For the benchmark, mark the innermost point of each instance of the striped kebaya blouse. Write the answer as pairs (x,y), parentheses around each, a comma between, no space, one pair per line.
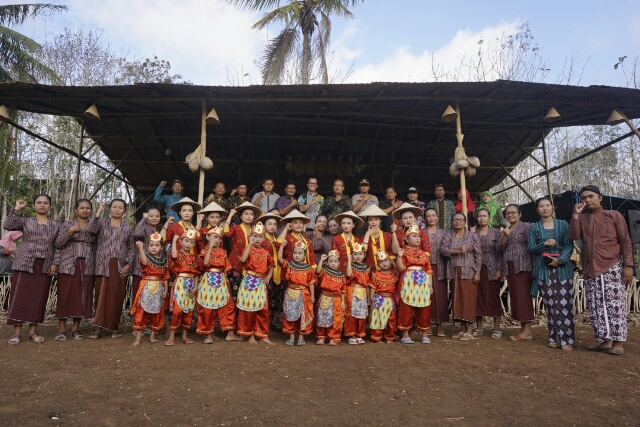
(113,242)
(82,244)
(37,241)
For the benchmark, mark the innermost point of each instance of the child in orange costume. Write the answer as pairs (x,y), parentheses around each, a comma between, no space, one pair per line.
(253,318)
(209,217)
(147,307)
(356,298)
(299,296)
(383,318)
(214,297)
(184,264)
(331,302)
(415,286)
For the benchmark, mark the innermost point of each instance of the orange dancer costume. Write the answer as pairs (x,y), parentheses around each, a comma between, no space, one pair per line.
(214,296)
(415,287)
(330,318)
(383,319)
(355,301)
(344,246)
(147,308)
(298,309)
(253,317)
(376,244)
(185,267)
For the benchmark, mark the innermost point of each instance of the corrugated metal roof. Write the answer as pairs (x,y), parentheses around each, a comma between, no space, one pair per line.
(384,131)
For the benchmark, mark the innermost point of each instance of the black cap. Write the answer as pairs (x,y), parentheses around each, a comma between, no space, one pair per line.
(178,181)
(591,188)
(412,190)
(363,181)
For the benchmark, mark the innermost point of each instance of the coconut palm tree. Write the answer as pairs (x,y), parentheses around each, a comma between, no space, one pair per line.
(306,21)
(17,61)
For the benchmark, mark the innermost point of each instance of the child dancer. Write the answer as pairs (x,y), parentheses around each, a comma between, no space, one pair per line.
(375,239)
(331,302)
(239,237)
(214,296)
(253,318)
(415,286)
(383,318)
(275,291)
(295,222)
(299,297)
(343,243)
(184,264)
(356,298)
(147,308)
(212,216)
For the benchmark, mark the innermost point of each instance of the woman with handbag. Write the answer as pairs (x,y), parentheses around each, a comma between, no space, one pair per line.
(551,249)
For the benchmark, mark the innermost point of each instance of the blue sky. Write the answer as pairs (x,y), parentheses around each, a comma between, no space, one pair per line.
(386,41)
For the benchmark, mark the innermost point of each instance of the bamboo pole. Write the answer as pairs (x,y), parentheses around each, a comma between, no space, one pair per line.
(74,193)
(203,142)
(546,171)
(463,182)
(628,122)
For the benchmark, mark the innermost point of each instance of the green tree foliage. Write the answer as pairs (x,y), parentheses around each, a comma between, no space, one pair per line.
(303,42)
(17,51)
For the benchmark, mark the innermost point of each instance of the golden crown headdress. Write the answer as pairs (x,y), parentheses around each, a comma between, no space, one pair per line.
(258,228)
(300,244)
(333,252)
(191,233)
(216,230)
(357,247)
(155,237)
(382,255)
(412,229)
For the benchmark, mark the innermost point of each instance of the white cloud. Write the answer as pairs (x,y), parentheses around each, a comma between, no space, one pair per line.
(404,65)
(203,40)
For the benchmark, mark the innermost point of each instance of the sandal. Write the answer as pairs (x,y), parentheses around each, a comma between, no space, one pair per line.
(353,341)
(496,334)
(188,341)
(360,341)
(567,347)
(61,336)
(289,342)
(333,343)
(301,342)
(615,351)
(95,335)
(15,339)
(406,340)
(77,335)
(38,339)
(169,343)
(458,335)
(426,340)
(466,337)
(208,341)
(478,332)
(553,345)
(519,338)
(320,342)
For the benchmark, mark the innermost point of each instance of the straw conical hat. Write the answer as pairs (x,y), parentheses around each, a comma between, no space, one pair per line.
(248,205)
(350,214)
(397,214)
(372,210)
(213,207)
(186,201)
(295,214)
(263,219)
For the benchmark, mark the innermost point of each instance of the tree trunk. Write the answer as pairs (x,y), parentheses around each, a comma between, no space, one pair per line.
(306,56)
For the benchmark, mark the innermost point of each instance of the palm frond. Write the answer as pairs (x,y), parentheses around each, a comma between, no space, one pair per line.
(255,4)
(17,61)
(16,14)
(336,7)
(277,52)
(286,14)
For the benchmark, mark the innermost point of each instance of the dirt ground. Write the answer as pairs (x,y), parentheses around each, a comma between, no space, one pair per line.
(480,382)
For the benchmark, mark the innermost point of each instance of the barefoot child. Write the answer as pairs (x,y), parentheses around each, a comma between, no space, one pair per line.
(331,303)
(415,286)
(147,308)
(184,264)
(356,297)
(214,296)
(253,318)
(383,318)
(299,296)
